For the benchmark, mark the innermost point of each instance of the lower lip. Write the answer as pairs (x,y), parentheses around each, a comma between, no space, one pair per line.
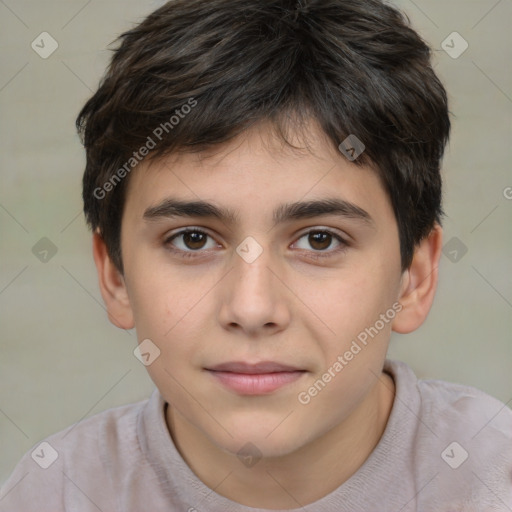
(256,384)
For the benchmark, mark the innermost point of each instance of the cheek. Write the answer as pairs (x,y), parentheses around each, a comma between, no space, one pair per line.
(354,298)
(351,306)
(169,315)
(158,294)
(152,309)
(174,311)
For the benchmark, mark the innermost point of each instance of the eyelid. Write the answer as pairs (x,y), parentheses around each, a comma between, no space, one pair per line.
(189,229)
(341,234)
(343,243)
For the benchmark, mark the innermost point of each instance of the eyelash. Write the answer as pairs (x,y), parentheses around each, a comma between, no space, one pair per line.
(315,254)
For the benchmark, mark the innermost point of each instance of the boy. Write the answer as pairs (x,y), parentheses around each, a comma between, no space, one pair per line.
(263,184)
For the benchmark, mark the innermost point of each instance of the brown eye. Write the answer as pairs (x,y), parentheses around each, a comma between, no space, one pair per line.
(319,240)
(194,239)
(189,241)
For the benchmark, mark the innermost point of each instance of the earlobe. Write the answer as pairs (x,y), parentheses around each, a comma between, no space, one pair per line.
(419,283)
(112,286)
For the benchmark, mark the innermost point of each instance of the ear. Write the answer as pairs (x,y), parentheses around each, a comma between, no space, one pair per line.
(112,286)
(419,283)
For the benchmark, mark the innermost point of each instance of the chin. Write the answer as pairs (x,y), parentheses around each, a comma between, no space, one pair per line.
(255,437)
(261,447)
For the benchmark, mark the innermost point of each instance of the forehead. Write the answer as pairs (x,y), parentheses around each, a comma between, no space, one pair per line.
(255,174)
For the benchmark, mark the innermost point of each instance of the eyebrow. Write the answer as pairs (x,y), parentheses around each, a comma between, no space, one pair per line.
(171,207)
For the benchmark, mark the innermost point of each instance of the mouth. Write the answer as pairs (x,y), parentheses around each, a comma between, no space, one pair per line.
(255,379)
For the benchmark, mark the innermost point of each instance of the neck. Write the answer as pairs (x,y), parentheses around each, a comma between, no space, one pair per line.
(298,478)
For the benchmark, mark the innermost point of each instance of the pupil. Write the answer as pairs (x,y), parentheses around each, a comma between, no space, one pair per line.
(194,238)
(319,237)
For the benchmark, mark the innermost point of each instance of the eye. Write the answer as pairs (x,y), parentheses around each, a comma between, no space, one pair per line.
(321,239)
(191,240)
(188,243)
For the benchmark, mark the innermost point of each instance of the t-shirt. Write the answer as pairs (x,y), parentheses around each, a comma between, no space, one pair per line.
(446,448)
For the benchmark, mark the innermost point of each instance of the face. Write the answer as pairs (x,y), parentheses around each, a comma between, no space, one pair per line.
(258,309)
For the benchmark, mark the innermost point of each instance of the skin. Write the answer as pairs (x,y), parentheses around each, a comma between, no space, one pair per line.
(285,306)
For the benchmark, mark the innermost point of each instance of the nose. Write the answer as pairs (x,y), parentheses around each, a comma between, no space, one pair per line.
(254,299)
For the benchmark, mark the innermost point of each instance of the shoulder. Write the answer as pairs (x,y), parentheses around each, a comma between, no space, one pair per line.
(91,439)
(462,444)
(67,466)
(472,409)
(450,405)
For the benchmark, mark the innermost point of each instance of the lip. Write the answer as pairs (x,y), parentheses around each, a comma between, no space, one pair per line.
(254,368)
(255,379)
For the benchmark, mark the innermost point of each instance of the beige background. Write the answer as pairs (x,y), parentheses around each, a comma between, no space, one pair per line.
(62,361)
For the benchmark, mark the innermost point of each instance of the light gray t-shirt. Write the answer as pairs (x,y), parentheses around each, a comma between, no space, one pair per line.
(446,448)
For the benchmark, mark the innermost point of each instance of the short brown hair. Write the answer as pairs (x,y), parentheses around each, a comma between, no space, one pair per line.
(355,66)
